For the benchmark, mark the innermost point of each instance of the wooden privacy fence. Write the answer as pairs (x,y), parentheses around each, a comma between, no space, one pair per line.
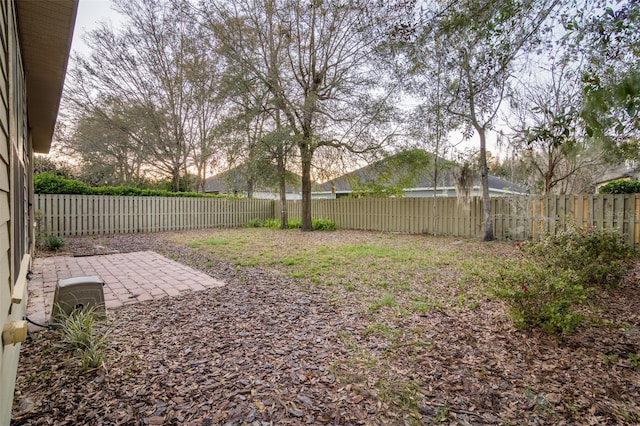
(65,215)
(515,218)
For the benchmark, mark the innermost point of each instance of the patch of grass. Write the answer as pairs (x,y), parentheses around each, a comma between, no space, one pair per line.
(610,358)
(367,265)
(377,270)
(382,330)
(209,242)
(363,356)
(473,305)
(387,300)
(424,306)
(461,301)
(344,336)
(370,251)
(249,262)
(405,395)
(319,263)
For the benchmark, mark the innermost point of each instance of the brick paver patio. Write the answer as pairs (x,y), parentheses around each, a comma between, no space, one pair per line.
(128,277)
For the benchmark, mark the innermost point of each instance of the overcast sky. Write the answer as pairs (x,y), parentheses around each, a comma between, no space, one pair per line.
(90,12)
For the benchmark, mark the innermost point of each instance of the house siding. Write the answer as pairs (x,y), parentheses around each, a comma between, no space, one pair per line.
(15,182)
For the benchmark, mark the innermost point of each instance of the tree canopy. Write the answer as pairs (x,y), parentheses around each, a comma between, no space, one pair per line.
(317,87)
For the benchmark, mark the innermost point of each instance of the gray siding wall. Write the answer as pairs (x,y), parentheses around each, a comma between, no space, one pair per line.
(15,188)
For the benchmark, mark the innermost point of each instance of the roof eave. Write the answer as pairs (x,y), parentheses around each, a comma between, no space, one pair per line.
(46,31)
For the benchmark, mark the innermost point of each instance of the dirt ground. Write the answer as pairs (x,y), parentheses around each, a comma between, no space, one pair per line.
(270,349)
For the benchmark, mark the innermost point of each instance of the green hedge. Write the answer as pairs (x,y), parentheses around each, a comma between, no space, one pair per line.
(620,186)
(48,183)
(317,224)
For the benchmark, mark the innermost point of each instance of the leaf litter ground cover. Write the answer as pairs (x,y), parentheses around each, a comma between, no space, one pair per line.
(335,328)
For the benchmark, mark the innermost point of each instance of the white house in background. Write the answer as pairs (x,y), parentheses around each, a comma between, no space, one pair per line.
(35,38)
(390,172)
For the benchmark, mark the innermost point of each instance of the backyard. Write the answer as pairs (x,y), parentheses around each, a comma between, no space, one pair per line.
(344,327)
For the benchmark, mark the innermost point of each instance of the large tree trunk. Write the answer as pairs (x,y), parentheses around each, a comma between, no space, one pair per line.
(548,184)
(175,179)
(250,188)
(199,179)
(435,175)
(284,214)
(484,176)
(435,194)
(306,154)
(548,176)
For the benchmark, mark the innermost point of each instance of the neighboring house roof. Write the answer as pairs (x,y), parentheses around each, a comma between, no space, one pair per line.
(235,179)
(46,30)
(497,184)
(393,173)
(388,171)
(622,171)
(227,181)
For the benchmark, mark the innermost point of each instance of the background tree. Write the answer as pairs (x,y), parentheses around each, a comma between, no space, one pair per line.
(45,164)
(550,133)
(278,144)
(154,69)
(512,166)
(609,36)
(262,143)
(244,128)
(206,74)
(430,122)
(481,42)
(106,154)
(316,60)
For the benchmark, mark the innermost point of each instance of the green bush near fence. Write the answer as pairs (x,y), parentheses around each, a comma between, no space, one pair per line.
(545,286)
(317,224)
(620,186)
(52,243)
(598,257)
(48,183)
(324,225)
